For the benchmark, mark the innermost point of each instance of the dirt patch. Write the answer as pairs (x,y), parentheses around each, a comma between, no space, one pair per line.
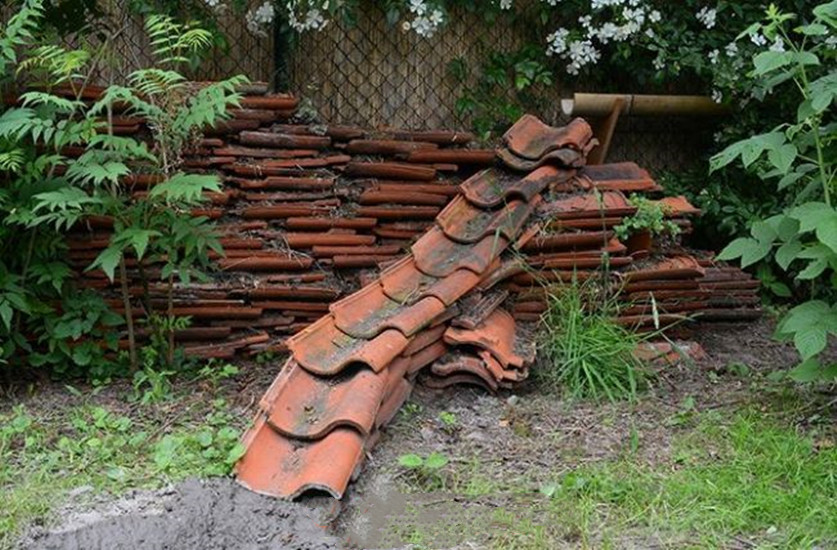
(205,514)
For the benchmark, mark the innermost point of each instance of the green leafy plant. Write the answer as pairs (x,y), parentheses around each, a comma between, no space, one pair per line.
(425,471)
(587,353)
(650,216)
(800,155)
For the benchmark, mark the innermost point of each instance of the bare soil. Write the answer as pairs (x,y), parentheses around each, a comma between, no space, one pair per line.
(526,438)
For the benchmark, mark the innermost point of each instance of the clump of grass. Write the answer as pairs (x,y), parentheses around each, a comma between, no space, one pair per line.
(588,354)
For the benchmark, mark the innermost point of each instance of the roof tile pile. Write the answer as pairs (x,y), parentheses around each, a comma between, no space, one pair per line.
(458,307)
(377,258)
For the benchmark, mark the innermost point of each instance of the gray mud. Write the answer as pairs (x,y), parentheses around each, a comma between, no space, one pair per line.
(196,514)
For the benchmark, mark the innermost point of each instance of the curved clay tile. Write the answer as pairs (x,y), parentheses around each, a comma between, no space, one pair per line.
(305,406)
(567,158)
(465,223)
(321,348)
(281,467)
(459,363)
(493,187)
(369,311)
(389,408)
(439,256)
(495,334)
(461,379)
(404,283)
(531,139)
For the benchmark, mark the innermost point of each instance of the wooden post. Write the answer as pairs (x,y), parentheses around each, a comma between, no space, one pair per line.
(604,132)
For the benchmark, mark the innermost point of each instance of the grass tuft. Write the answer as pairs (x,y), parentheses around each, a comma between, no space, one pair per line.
(588,354)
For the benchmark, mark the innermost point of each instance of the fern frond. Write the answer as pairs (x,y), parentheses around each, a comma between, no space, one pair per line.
(59,104)
(155,82)
(209,105)
(185,188)
(12,161)
(19,31)
(58,63)
(173,41)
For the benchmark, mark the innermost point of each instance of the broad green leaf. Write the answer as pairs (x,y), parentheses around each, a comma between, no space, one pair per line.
(804,316)
(768,61)
(107,260)
(807,371)
(737,248)
(810,342)
(810,215)
(6,314)
(813,270)
(826,231)
(764,231)
(782,157)
(787,253)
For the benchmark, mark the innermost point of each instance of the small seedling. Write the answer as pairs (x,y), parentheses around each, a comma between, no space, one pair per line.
(425,471)
(448,420)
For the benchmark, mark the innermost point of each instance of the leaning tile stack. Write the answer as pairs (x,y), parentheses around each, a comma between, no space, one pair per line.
(459,306)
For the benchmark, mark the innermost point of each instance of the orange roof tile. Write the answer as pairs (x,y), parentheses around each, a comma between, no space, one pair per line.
(495,334)
(531,139)
(460,363)
(280,467)
(404,283)
(465,223)
(305,406)
(492,187)
(323,349)
(439,256)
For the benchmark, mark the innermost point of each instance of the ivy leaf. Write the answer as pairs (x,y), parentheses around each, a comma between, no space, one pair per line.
(826,231)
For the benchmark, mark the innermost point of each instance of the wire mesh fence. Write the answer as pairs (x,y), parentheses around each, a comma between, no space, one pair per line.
(375,74)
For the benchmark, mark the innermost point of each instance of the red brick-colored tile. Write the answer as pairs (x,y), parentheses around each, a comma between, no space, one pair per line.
(323,349)
(495,334)
(286,468)
(439,256)
(304,406)
(531,139)
(465,223)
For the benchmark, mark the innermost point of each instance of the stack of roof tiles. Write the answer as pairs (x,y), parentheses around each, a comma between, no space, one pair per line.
(360,253)
(309,213)
(442,309)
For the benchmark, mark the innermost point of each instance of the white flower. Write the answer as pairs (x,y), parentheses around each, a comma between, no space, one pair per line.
(581,53)
(212,3)
(731,49)
(649,32)
(659,63)
(758,39)
(505,4)
(717,96)
(557,42)
(655,16)
(713,56)
(258,18)
(831,41)
(405,26)
(778,45)
(707,16)
(551,2)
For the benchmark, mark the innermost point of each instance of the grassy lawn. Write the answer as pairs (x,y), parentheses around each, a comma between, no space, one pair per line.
(84,446)
(737,479)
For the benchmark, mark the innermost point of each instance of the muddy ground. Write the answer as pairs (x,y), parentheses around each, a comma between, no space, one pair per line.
(526,438)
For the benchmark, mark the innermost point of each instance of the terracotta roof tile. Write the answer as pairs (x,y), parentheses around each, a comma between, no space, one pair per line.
(268,139)
(483,157)
(607,204)
(426,356)
(369,311)
(456,363)
(461,379)
(305,406)
(620,176)
(678,206)
(425,338)
(465,223)
(478,306)
(678,267)
(323,349)
(565,158)
(404,283)
(390,170)
(280,467)
(531,139)
(386,146)
(562,241)
(439,256)
(435,136)
(495,334)
(498,371)
(397,397)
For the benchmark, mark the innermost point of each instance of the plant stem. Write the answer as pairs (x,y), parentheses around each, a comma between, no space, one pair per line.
(129,317)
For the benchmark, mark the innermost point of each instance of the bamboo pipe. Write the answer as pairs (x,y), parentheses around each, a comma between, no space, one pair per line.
(642,105)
